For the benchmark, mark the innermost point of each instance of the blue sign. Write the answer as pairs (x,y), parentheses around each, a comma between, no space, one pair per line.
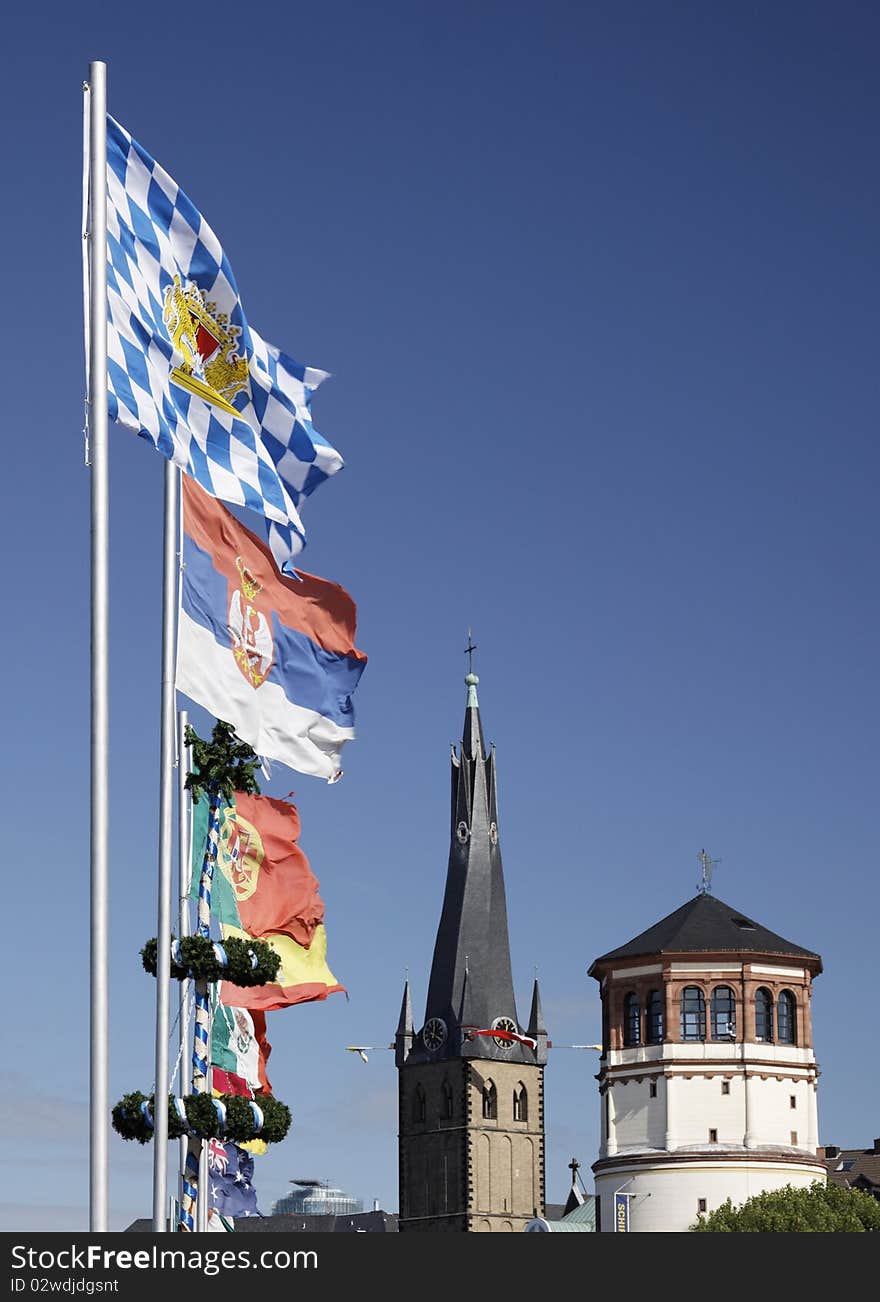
(621,1213)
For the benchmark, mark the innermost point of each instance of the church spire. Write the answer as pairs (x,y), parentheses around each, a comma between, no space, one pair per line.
(404,1037)
(537,1031)
(471,986)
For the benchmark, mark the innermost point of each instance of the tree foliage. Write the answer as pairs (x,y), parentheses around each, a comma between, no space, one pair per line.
(224,764)
(819,1209)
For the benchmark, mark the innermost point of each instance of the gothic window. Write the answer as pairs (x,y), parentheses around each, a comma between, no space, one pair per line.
(419,1104)
(631,1020)
(520,1103)
(447,1101)
(786,1022)
(693,1013)
(723,1013)
(490,1101)
(763,1015)
(654,1017)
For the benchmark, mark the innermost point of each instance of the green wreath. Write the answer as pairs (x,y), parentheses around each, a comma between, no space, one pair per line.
(248,962)
(133,1117)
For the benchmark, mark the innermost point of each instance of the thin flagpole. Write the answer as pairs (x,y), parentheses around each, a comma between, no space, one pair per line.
(171,548)
(99,983)
(184,859)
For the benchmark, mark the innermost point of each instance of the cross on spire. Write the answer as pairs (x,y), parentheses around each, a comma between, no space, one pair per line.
(469,652)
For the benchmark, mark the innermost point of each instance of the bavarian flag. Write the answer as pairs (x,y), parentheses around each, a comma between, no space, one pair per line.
(264,889)
(186,369)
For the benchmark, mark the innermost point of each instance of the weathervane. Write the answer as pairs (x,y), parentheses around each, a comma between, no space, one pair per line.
(706,865)
(469,652)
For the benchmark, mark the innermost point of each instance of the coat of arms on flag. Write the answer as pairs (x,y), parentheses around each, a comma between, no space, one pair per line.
(273,655)
(249,629)
(185,368)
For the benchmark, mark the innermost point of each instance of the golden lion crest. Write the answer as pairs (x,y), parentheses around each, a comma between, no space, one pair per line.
(211,367)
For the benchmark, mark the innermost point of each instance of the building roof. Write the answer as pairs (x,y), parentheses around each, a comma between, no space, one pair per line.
(707,925)
(358,1223)
(582,1220)
(855,1168)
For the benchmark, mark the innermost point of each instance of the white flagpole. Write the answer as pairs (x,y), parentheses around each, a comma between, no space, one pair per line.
(99,1104)
(184,857)
(166,825)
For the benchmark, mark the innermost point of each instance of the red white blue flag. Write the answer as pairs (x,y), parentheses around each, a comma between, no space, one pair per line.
(273,656)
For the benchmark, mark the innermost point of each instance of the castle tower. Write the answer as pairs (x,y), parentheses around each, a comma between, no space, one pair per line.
(707,1078)
(471,1127)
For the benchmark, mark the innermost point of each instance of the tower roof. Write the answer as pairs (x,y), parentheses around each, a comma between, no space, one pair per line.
(707,925)
(471,984)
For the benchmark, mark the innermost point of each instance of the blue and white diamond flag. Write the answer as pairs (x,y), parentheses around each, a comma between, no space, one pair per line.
(186,371)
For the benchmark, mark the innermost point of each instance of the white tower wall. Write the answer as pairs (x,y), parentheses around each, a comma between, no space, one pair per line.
(691,1120)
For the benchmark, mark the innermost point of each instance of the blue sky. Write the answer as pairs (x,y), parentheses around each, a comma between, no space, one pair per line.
(597,285)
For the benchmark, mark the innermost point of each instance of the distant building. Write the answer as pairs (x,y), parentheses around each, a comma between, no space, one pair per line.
(316,1198)
(707,1079)
(577,1216)
(315,1207)
(853,1168)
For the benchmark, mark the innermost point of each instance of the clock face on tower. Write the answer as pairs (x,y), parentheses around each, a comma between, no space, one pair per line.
(504,1024)
(434,1033)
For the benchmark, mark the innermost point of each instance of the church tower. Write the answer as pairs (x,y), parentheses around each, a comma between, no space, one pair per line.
(471,1080)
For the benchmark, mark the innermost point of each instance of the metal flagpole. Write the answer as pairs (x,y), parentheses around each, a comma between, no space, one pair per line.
(184,853)
(99,1110)
(166,823)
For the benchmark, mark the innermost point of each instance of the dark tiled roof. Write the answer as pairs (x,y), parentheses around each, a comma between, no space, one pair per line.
(706,925)
(856,1168)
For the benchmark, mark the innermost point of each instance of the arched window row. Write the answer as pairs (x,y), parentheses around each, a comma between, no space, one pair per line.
(773,1020)
(420,1103)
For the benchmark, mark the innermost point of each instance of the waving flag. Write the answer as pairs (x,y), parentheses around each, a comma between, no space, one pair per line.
(230,1180)
(264,888)
(273,656)
(239,1051)
(264,883)
(303,976)
(186,371)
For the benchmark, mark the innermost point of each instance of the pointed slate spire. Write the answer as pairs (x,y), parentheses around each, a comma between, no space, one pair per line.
(471,983)
(575,1197)
(536,1028)
(404,1036)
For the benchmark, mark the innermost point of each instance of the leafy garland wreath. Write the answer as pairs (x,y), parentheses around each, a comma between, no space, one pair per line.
(229,1117)
(243,962)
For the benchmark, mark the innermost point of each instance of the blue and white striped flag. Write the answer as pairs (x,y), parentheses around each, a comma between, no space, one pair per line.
(185,369)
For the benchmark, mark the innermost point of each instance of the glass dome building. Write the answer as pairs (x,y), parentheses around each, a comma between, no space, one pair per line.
(316,1198)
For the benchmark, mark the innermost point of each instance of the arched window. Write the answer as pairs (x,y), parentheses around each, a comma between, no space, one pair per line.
(693,1013)
(490,1101)
(520,1103)
(654,1018)
(763,1015)
(447,1101)
(631,1034)
(786,1018)
(723,1013)
(419,1104)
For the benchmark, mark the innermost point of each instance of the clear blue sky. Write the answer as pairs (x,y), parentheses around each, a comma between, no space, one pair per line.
(598,287)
